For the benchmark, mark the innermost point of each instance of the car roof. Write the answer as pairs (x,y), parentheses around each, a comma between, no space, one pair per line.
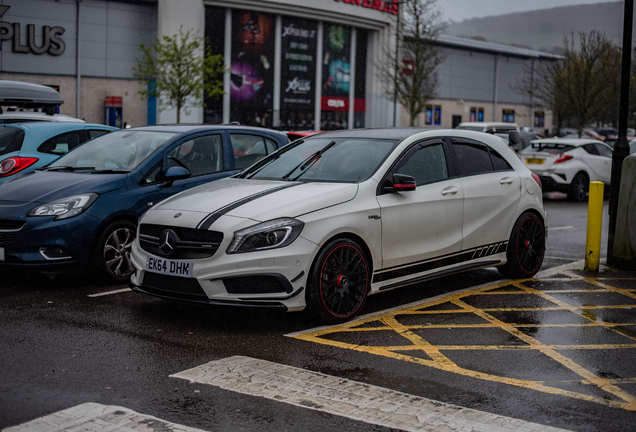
(183,128)
(576,142)
(32,115)
(39,126)
(486,124)
(380,133)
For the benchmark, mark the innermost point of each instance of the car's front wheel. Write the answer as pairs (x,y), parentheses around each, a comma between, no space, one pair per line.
(526,247)
(339,281)
(579,188)
(112,254)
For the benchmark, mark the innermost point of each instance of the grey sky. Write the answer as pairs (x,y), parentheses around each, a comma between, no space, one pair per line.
(459,10)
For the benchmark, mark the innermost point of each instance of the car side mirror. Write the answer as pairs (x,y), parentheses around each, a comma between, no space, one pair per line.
(175,173)
(401,183)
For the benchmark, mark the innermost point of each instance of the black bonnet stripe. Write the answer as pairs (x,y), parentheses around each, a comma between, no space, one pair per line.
(207,221)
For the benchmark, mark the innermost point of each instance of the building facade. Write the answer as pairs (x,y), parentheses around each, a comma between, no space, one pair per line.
(293,64)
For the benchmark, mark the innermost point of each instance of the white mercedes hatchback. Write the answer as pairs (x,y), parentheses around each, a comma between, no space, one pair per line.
(328,220)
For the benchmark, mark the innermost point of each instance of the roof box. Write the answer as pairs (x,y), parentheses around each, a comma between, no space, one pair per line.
(26,95)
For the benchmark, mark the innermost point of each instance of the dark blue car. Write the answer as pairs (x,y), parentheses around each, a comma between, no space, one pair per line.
(79,213)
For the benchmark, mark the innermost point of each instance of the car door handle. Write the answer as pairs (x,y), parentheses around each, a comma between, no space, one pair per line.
(506,180)
(449,191)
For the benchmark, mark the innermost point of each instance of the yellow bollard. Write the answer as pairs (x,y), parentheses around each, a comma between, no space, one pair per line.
(594,226)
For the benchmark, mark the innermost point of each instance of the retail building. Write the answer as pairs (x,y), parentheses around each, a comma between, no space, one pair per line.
(295,64)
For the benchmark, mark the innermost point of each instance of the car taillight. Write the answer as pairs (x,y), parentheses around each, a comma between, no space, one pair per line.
(563,158)
(15,164)
(538,180)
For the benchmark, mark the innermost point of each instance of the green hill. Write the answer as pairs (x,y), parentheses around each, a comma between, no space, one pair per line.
(545,29)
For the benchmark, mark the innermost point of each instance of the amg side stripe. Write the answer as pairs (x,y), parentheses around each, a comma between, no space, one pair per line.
(207,221)
(445,261)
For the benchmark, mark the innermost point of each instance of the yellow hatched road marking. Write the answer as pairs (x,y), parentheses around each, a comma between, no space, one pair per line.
(390,321)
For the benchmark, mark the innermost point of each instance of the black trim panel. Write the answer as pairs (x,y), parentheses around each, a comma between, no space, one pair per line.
(441,273)
(445,261)
(214,216)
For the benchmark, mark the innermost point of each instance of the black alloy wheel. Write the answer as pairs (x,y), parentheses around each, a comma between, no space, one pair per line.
(579,188)
(526,247)
(339,281)
(113,251)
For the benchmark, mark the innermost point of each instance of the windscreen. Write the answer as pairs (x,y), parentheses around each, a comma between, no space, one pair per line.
(347,160)
(119,151)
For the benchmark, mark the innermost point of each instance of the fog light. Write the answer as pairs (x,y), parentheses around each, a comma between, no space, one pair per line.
(54,253)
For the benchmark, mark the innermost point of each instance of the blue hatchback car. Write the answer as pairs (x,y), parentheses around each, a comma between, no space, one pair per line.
(27,146)
(79,213)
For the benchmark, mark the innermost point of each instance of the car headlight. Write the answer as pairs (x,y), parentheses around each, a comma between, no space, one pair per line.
(66,207)
(272,234)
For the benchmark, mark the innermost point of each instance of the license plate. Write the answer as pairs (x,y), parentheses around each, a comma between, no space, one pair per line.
(169,267)
(535,161)
(1,254)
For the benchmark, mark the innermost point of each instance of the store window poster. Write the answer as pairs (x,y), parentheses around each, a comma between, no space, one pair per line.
(336,61)
(252,58)
(437,116)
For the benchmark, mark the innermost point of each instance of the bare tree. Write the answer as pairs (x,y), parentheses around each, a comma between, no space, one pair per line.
(180,71)
(409,74)
(580,86)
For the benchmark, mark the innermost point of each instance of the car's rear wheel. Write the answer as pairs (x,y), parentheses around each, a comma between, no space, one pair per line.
(526,247)
(579,188)
(112,254)
(339,281)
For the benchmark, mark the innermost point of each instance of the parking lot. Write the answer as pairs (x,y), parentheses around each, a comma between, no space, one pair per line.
(564,333)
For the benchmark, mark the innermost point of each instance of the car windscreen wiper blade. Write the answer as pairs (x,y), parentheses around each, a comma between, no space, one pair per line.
(69,168)
(308,162)
(260,168)
(109,171)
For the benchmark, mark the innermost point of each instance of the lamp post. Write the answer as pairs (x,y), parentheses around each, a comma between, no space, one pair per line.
(397,65)
(621,148)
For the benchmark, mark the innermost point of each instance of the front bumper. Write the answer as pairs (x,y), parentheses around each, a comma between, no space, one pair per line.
(273,278)
(27,249)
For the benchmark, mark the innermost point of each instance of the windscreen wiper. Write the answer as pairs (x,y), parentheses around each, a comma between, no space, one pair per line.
(308,162)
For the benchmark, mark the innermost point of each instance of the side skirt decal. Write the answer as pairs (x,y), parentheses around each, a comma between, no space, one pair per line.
(445,261)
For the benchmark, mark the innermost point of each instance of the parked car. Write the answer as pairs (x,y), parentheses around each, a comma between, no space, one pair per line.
(330,219)
(17,96)
(569,164)
(80,212)
(27,146)
(611,140)
(586,133)
(488,127)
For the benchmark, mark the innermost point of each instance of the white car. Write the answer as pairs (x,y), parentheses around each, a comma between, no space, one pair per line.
(11,117)
(489,127)
(330,219)
(569,164)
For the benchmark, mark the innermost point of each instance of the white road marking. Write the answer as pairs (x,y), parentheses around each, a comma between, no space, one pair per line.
(110,292)
(93,417)
(560,228)
(346,398)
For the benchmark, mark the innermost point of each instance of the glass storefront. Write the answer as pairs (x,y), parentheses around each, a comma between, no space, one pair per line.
(252,64)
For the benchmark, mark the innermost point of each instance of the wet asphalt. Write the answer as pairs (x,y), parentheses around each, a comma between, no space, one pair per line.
(556,350)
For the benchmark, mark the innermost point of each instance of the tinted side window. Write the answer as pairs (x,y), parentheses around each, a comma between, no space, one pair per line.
(202,155)
(10,140)
(472,159)
(426,165)
(591,149)
(603,150)
(499,162)
(248,149)
(61,144)
(94,133)
(153,176)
